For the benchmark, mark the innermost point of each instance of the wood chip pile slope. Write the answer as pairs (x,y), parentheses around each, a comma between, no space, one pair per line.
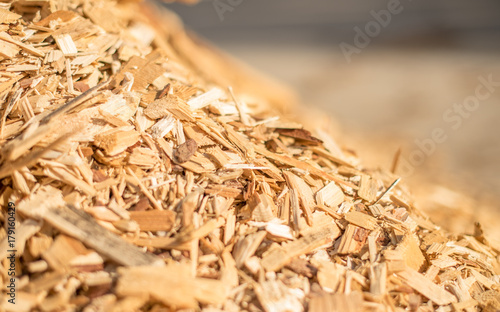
(142,182)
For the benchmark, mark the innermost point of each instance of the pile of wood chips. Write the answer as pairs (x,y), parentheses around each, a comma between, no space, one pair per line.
(142,182)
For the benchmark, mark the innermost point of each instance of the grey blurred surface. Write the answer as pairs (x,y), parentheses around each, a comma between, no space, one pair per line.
(396,89)
(460,23)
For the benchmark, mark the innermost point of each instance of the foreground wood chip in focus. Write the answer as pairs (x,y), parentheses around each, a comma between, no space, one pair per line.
(150,172)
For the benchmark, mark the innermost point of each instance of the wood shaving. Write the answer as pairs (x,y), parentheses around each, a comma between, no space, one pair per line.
(151,172)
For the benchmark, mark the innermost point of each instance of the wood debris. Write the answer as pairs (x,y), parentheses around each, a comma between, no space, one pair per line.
(151,172)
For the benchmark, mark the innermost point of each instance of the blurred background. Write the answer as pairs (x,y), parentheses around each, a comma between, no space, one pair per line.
(388,73)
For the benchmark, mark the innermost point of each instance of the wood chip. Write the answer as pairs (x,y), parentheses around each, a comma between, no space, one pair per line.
(83,227)
(116,140)
(337,303)
(353,240)
(154,220)
(361,219)
(150,171)
(7,17)
(5,37)
(8,50)
(66,44)
(367,189)
(279,257)
(421,284)
(185,151)
(331,195)
(172,285)
(304,193)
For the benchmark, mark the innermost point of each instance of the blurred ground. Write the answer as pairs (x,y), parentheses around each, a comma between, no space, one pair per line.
(395,91)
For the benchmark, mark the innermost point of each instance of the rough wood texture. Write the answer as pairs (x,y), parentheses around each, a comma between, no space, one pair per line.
(153,173)
(76,223)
